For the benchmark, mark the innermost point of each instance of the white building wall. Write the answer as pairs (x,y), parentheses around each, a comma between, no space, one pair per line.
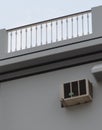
(32,103)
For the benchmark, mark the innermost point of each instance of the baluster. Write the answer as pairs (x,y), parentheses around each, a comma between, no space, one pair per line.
(20,39)
(46,33)
(36,35)
(11,42)
(30,37)
(26,39)
(16,40)
(87,23)
(72,26)
(56,31)
(41,34)
(51,32)
(77,27)
(61,29)
(67,28)
(82,25)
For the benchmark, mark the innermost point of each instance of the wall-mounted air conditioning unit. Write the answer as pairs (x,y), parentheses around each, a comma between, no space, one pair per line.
(76,92)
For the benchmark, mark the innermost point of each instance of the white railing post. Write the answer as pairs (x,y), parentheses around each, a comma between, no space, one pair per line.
(3,43)
(97,20)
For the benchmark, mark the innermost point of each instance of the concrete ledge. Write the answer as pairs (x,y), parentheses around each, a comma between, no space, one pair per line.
(44,55)
(67,55)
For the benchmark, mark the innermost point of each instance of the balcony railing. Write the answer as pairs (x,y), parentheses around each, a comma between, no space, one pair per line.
(49,31)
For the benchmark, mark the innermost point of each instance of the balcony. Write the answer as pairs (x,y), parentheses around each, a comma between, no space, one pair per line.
(50,45)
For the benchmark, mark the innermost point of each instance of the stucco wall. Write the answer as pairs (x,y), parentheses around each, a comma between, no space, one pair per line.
(32,103)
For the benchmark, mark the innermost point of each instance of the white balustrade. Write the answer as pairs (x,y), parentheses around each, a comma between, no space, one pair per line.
(49,31)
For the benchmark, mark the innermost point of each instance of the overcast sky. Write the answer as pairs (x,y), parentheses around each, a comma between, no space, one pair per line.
(15,13)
